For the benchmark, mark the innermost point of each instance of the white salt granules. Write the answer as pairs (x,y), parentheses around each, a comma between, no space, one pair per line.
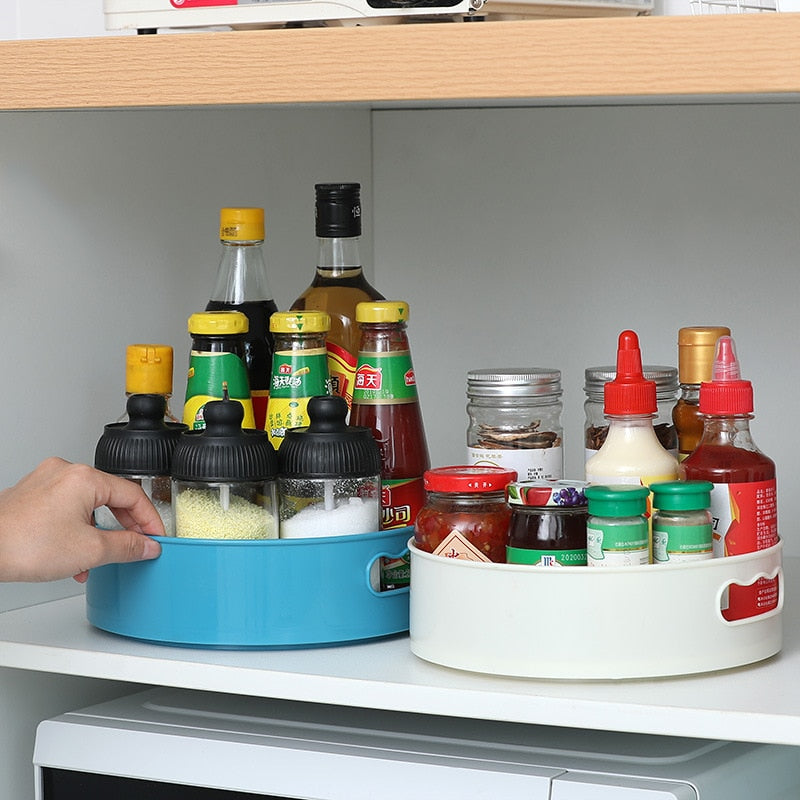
(352,515)
(200,515)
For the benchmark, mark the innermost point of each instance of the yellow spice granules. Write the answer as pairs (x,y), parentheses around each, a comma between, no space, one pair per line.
(199,515)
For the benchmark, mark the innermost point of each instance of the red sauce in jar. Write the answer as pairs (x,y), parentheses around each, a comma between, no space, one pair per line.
(466,515)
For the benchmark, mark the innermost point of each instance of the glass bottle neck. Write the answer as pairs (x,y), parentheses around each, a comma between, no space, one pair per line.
(339,256)
(242,274)
(732,431)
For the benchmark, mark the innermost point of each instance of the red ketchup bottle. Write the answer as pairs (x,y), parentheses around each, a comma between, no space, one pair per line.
(385,400)
(744,497)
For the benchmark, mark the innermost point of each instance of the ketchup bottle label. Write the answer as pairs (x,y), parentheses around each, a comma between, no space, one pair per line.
(401,501)
(385,376)
(745,519)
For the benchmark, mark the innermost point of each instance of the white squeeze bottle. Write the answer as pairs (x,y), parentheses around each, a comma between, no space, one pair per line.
(631,452)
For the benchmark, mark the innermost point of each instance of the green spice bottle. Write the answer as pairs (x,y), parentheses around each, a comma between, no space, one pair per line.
(617,531)
(682,529)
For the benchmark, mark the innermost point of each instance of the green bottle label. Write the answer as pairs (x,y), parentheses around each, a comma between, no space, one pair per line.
(680,542)
(299,373)
(207,373)
(385,378)
(546,558)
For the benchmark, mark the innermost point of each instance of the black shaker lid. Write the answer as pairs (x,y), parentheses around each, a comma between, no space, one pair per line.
(223,451)
(338,210)
(329,447)
(142,446)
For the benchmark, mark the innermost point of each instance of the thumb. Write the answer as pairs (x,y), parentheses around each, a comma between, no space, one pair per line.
(125,546)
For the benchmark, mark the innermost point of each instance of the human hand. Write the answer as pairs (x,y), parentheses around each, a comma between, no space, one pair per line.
(46,530)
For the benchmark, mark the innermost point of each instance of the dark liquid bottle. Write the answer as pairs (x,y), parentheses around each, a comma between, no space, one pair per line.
(339,284)
(385,400)
(742,476)
(242,286)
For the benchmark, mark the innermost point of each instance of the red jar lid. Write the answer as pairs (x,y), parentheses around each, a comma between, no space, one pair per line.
(466,479)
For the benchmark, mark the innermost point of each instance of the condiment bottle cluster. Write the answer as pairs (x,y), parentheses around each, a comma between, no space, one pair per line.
(672,475)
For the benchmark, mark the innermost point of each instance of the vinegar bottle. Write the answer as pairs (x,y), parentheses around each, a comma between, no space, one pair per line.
(242,285)
(744,498)
(385,400)
(339,283)
(631,453)
(696,347)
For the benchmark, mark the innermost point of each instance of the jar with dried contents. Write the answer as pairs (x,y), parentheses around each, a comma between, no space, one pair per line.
(466,515)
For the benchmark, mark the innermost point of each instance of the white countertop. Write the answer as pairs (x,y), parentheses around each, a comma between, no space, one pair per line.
(759,703)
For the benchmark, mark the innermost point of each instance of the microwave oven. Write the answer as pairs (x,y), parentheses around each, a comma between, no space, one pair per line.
(167,744)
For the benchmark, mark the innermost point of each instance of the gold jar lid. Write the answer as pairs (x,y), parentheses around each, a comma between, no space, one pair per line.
(696,346)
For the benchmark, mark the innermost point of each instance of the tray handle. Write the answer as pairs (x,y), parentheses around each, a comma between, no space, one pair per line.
(373,574)
(775,573)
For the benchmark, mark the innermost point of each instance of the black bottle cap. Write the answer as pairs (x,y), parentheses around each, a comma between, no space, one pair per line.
(142,446)
(223,451)
(329,447)
(338,210)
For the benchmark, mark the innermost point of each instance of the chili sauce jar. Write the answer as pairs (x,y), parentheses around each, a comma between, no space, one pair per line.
(466,515)
(548,523)
(682,527)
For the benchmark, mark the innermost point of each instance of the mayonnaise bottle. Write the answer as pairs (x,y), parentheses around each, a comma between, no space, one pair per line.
(631,453)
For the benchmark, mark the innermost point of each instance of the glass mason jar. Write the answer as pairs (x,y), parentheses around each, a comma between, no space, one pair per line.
(515,421)
(466,515)
(596,424)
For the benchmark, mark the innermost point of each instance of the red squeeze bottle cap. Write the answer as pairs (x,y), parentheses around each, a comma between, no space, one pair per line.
(630,393)
(726,393)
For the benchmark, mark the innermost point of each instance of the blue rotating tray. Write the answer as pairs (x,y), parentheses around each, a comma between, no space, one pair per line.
(279,593)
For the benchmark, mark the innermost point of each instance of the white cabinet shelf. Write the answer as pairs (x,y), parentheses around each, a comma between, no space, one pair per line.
(760,703)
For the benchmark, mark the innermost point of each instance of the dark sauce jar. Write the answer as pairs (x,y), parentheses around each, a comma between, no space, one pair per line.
(548,523)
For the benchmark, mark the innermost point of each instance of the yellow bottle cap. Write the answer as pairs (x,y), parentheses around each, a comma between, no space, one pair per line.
(300,322)
(696,347)
(241,224)
(218,323)
(382,311)
(148,369)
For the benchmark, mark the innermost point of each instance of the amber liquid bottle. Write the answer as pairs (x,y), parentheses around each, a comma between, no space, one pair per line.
(385,400)
(695,359)
(339,284)
(242,285)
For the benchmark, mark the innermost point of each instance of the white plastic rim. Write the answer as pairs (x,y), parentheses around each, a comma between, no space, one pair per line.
(581,623)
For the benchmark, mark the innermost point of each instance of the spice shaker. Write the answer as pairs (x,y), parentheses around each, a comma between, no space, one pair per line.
(329,475)
(140,450)
(515,421)
(548,523)
(617,531)
(682,526)
(596,425)
(223,478)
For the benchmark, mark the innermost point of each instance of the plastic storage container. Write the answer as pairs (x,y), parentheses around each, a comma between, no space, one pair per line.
(580,623)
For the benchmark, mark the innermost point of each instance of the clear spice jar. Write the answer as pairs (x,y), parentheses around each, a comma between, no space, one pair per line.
(548,523)
(224,478)
(515,421)
(466,515)
(596,424)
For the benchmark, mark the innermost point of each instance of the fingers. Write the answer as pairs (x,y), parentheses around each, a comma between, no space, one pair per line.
(128,503)
(123,547)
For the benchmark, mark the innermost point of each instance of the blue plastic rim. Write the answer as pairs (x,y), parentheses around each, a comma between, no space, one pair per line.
(278,593)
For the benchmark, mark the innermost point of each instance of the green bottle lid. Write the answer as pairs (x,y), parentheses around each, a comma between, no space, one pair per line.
(682,495)
(624,500)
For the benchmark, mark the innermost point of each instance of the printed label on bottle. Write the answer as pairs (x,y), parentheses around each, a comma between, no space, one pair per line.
(297,376)
(342,370)
(207,373)
(546,558)
(625,545)
(385,378)
(531,464)
(401,501)
(455,545)
(678,543)
(260,398)
(745,519)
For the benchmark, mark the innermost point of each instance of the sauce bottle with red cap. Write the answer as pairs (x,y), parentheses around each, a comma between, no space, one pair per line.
(743,498)
(631,453)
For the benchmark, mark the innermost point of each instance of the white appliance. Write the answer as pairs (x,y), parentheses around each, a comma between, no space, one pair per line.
(152,15)
(165,744)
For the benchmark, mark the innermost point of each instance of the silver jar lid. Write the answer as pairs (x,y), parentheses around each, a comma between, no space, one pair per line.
(665,379)
(514,382)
